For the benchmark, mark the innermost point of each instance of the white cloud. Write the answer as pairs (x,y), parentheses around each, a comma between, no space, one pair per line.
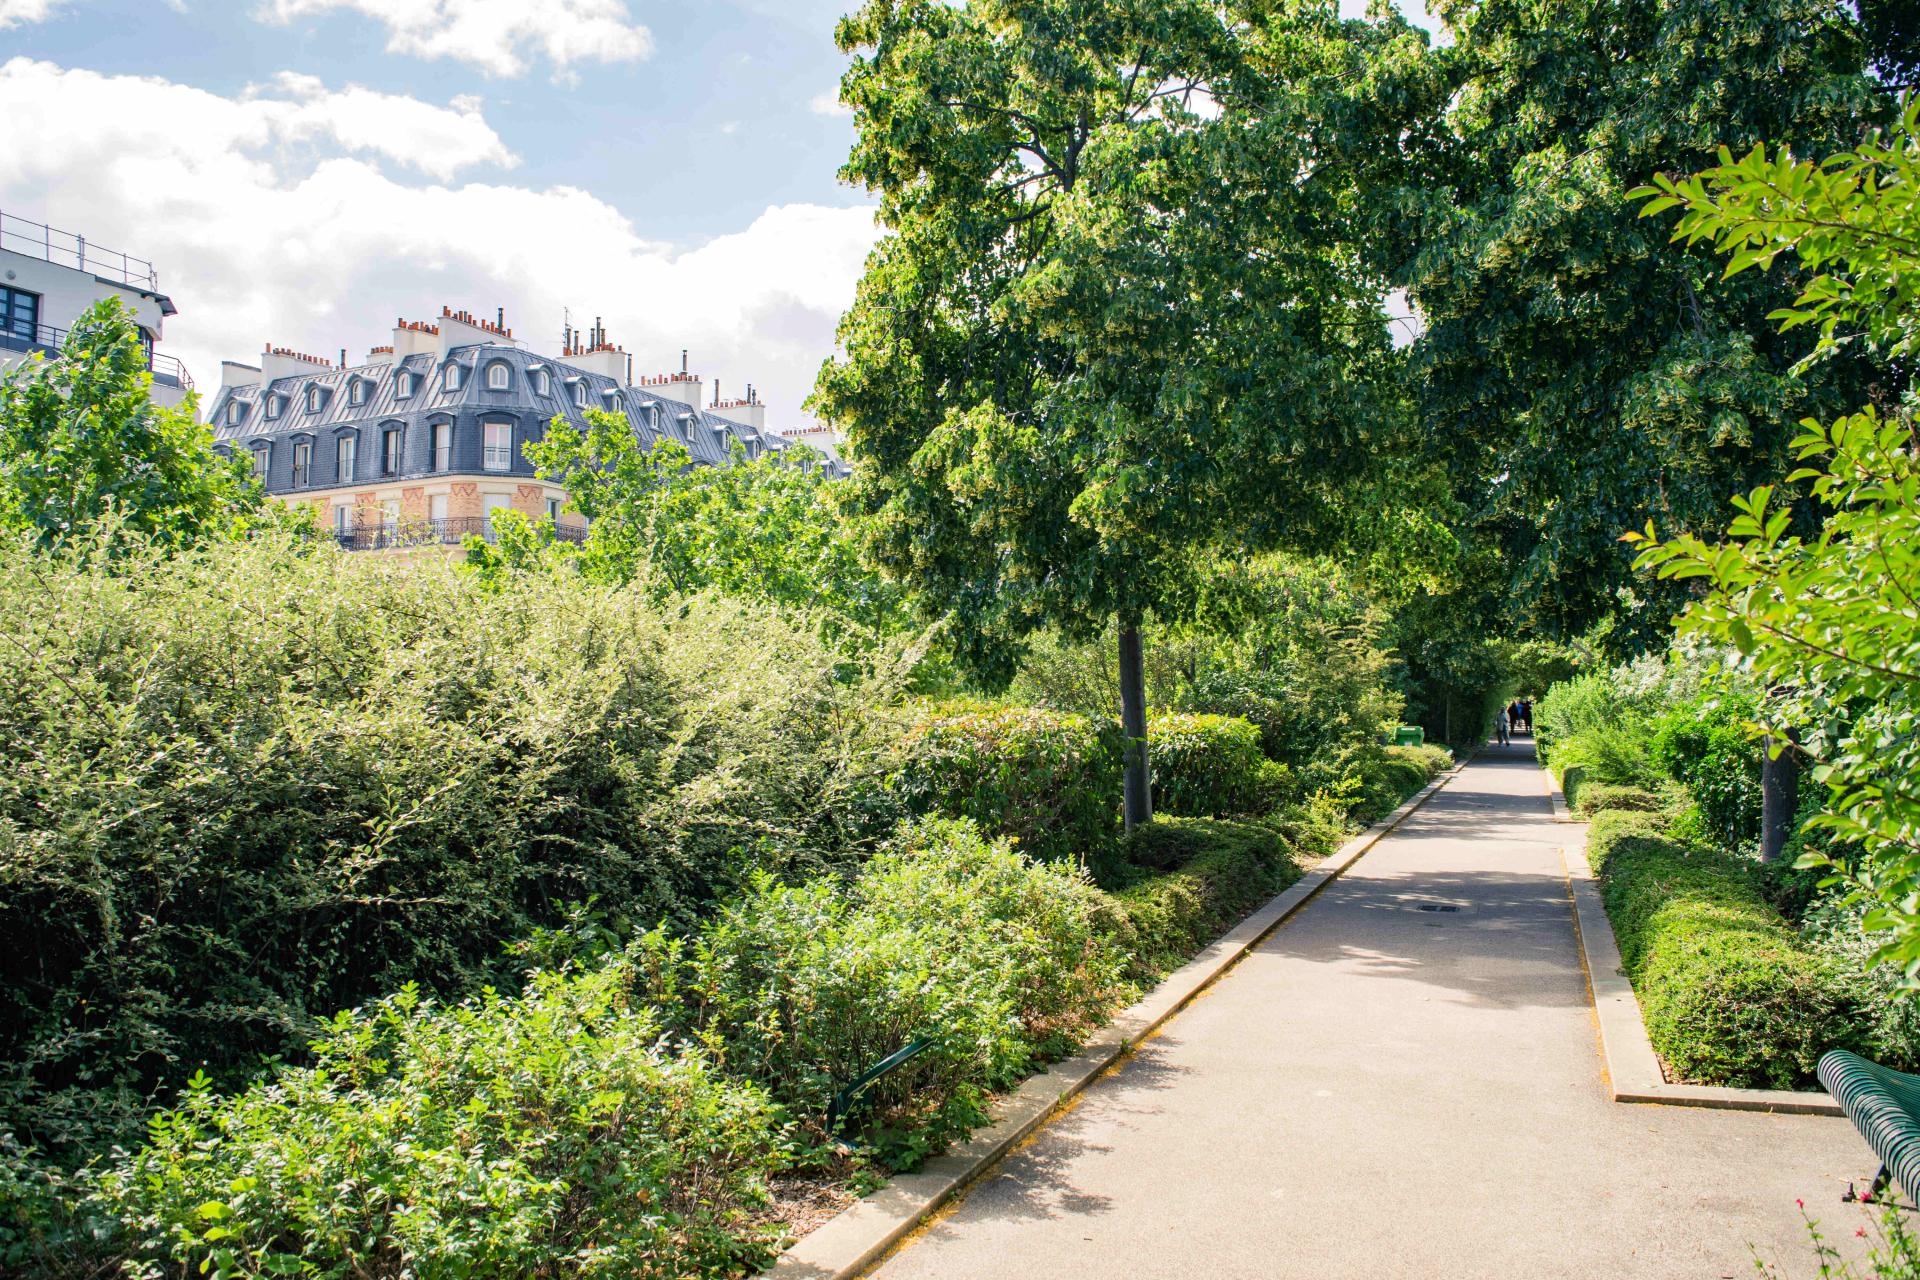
(315,250)
(828,103)
(495,35)
(437,140)
(14,13)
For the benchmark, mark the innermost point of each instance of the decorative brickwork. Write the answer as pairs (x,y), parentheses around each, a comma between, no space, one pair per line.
(530,500)
(413,504)
(463,500)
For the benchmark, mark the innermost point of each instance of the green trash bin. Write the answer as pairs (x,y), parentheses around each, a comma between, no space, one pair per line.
(1409,735)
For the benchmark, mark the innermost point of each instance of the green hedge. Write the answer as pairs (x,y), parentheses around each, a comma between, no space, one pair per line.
(1208,766)
(1601,797)
(1048,779)
(1729,993)
(1220,871)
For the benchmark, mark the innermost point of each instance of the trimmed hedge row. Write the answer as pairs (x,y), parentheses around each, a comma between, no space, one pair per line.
(1050,780)
(1207,766)
(1603,797)
(1212,874)
(1729,993)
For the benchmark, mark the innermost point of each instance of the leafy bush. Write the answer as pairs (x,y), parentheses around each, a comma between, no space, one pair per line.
(1048,779)
(544,1134)
(946,937)
(1836,927)
(1207,766)
(1599,797)
(1705,746)
(1223,871)
(257,784)
(1729,994)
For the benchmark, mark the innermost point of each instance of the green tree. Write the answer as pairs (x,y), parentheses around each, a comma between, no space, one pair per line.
(1572,375)
(761,528)
(1110,338)
(81,443)
(1830,622)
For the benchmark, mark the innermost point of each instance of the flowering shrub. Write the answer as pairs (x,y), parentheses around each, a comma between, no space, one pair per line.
(1048,779)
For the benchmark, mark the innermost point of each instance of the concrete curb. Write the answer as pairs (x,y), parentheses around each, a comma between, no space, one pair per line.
(851,1242)
(1633,1071)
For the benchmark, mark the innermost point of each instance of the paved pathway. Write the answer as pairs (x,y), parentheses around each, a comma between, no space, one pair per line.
(1383,1091)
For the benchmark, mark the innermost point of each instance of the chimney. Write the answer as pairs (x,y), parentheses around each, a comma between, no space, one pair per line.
(283,362)
(464,329)
(414,337)
(597,355)
(235,374)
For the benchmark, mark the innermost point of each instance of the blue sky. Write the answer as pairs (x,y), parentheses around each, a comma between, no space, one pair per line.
(304,171)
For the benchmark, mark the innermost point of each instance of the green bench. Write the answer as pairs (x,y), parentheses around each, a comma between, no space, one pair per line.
(1884,1106)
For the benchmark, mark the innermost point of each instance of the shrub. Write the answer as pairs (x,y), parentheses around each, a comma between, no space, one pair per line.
(1706,747)
(1048,779)
(538,1135)
(260,783)
(1224,871)
(1729,994)
(1598,797)
(1207,766)
(946,937)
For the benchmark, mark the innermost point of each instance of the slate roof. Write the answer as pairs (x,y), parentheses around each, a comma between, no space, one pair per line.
(708,437)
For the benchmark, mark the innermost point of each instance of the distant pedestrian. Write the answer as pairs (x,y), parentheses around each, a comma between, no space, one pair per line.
(1526,714)
(1513,717)
(1500,726)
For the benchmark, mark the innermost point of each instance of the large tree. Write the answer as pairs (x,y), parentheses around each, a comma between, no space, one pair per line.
(1111,335)
(1574,375)
(82,443)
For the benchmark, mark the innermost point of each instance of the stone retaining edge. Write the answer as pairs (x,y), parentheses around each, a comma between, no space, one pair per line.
(859,1236)
(1633,1070)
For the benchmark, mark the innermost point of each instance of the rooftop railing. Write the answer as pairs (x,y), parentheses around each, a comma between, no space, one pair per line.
(167,370)
(67,249)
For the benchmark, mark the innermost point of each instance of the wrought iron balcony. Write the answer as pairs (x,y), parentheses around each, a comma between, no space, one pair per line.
(445,531)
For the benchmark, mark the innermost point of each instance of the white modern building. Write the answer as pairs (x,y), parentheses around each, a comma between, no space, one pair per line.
(49,277)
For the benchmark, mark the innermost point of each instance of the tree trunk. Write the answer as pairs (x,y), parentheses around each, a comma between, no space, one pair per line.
(1133,723)
(1779,798)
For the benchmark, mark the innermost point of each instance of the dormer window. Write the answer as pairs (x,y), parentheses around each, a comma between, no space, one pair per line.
(260,464)
(313,399)
(543,382)
(273,406)
(357,391)
(235,412)
(403,386)
(580,393)
(451,381)
(498,378)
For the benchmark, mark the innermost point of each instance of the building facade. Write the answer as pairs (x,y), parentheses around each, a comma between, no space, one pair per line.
(424,441)
(48,278)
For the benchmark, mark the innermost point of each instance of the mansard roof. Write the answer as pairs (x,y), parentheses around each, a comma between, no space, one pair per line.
(707,436)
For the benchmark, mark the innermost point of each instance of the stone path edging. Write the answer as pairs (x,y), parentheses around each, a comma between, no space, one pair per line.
(848,1244)
(1633,1070)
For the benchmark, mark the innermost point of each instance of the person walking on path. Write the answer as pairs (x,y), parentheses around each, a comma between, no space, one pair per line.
(1500,726)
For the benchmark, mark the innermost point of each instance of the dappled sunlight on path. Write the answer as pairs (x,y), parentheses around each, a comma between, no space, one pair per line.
(1403,1080)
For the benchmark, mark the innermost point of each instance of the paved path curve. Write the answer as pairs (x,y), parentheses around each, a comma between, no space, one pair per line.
(1381,1091)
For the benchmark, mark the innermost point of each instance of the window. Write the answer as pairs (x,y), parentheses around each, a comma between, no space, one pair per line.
(260,465)
(302,463)
(313,399)
(580,394)
(342,518)
(19,314)
(437,509)
(451,380)
(235,412)
(443,446)
(390,452)
(390,514)
(343,458)
(553,510)
(496,502)
(357,391)
(273,406)
(403,386)
(497,376)
(498,455)
(543,382)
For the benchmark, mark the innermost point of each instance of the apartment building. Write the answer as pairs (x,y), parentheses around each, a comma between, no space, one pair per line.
(49,277)
(423,441)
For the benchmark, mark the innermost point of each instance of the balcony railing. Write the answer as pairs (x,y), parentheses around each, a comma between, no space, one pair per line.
(497,458)
(445,531)
(64,248)
(167,370)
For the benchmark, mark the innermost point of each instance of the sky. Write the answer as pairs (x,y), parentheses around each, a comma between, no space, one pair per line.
(304,172)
